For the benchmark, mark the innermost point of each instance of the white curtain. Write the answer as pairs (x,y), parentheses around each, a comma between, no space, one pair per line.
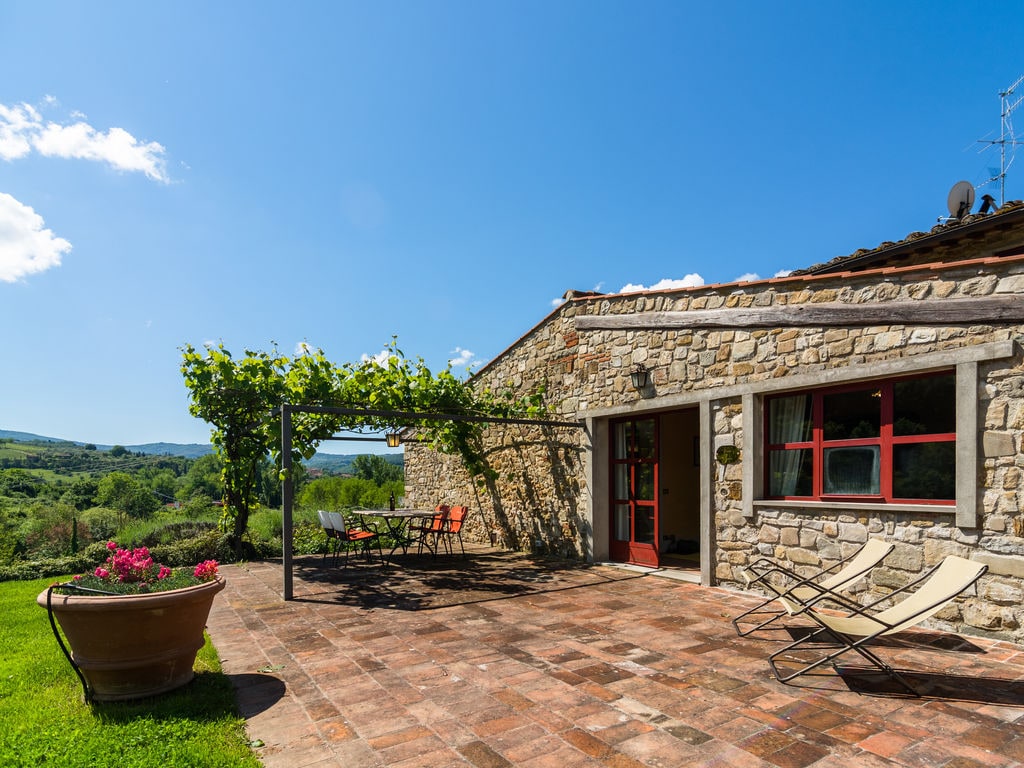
(853,470)
(788,417)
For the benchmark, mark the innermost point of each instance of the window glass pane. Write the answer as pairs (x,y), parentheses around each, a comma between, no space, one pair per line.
(621,481)
(791,472)
(621,440)
(621,522)
(645,439)
(924,406)
(644,529)
(850,415)
(789,419)
(853,470)
(924,471)
(644,482)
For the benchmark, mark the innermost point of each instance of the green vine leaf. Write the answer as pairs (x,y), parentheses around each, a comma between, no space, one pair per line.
(238,397)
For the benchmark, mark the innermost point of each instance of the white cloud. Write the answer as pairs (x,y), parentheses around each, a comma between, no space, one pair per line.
(303,348)
(783,273)
(463,358)
(22,130)
(381,358)
(26,246)
(17,125)
(748,277)
(555,303)
(665,284)
(116,147)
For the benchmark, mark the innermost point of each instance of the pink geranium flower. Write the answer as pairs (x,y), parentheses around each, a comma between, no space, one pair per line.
(131,571)
(206,570)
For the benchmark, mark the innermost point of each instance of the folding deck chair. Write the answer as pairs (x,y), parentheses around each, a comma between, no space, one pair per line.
(934,590)
(346,534)
(799,591)
(329,531)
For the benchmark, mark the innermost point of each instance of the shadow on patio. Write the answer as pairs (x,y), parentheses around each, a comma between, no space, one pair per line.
(417,582)
(508,660)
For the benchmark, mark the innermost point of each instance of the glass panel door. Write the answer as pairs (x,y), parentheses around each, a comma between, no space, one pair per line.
(634,502)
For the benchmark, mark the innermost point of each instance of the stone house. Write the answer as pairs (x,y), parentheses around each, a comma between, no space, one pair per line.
(877,395)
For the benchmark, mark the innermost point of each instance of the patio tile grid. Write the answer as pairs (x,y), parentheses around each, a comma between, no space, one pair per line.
(594,667)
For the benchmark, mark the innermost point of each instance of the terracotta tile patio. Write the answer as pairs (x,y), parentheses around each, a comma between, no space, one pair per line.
(506,660)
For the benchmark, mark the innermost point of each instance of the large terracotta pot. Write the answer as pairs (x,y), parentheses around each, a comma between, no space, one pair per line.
(130,646)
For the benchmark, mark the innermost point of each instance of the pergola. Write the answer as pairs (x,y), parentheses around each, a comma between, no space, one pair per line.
(394,417)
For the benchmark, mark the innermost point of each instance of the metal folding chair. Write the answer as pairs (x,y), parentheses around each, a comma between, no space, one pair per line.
(453,528)
(362,536)
(427,532)
(794,592)
(859,625)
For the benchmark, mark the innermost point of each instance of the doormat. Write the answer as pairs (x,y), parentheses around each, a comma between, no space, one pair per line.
(672,560)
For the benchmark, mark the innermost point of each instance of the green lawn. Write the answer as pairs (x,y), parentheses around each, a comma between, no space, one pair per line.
(44,720)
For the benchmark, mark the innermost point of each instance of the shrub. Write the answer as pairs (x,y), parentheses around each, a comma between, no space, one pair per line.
(98,524)
(265,524)
(170,533)
(200,508)
(212,544)
(86,559)
(308,539)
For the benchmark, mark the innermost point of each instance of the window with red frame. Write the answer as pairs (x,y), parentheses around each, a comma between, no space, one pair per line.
(884,441)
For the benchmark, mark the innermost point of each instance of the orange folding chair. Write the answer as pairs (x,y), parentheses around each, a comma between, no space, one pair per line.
(332,535)
(453,528)
(428,532)
(347,534)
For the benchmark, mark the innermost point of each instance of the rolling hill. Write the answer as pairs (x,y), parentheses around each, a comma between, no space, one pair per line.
(328,462)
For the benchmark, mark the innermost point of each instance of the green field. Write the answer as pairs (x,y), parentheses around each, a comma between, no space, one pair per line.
(45,721)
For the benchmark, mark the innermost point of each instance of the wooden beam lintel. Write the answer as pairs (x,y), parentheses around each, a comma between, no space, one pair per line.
(969,311)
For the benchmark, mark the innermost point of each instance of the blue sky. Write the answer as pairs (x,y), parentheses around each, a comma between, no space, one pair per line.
(339,173)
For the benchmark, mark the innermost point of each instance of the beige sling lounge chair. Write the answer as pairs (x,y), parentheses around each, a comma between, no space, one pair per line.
(860,625)
(797,592)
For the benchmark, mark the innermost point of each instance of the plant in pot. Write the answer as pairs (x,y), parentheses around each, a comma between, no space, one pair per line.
(134,626)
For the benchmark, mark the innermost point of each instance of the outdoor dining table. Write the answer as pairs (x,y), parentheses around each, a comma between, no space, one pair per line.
(397,522)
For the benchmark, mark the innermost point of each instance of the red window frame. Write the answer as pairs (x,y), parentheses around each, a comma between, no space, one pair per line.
(886,441)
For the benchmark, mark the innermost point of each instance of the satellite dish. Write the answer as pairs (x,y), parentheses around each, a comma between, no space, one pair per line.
(960,200)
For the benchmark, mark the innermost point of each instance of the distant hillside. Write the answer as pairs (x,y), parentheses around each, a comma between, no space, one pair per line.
(341,464)
(333,464)
(189,451)
(27,437)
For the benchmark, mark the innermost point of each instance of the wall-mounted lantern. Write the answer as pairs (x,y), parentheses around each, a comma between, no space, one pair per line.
(394,439)
(640,376)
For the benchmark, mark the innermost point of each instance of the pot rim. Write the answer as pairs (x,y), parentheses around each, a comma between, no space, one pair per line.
(147,599)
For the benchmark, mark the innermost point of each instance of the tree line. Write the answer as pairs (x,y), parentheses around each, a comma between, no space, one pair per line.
(50,505)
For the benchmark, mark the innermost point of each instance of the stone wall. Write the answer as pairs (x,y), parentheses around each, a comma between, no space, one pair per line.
(539,497)
(533,502)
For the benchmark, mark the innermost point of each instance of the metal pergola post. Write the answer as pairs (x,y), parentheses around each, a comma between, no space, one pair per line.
(287,499)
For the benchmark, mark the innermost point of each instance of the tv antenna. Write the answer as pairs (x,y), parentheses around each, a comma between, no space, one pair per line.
(1009,101)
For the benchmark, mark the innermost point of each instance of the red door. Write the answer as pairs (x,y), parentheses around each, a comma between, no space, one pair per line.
(634,502)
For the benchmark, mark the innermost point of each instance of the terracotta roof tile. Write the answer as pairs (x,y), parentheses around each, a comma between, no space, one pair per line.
(961,226)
